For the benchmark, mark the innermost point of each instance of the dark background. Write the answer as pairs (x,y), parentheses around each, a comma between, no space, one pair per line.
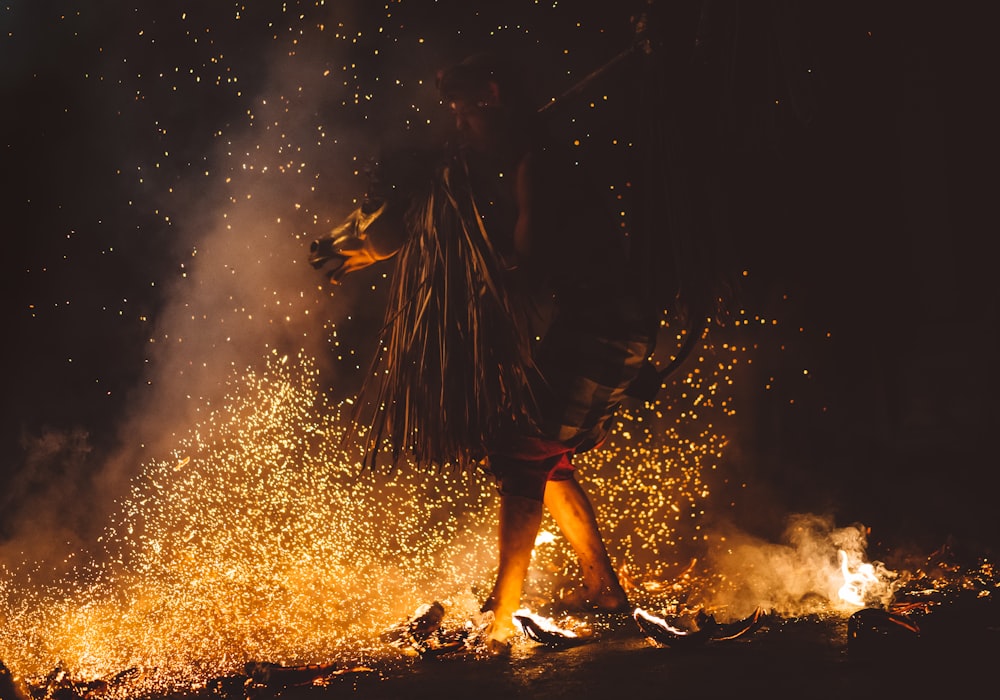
(860,192)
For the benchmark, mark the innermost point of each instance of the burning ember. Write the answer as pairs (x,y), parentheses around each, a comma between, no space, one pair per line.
(259,542)
(544,630)
(259,539)
(704,630)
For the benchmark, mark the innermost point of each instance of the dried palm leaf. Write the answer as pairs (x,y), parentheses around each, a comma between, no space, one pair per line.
(452,371)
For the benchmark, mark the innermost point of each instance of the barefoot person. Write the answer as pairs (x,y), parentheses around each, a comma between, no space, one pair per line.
(513,328)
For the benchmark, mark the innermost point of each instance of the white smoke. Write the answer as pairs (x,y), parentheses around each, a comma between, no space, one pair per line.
(801,574)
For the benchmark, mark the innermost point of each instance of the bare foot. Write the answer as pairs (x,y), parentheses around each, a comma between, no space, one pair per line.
(501,629)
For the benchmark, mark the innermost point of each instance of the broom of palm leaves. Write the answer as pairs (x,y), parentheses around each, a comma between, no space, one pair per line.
(454,361)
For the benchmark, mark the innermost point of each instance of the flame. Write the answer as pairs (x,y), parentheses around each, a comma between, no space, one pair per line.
(545,623)
(544,537)
(862,582)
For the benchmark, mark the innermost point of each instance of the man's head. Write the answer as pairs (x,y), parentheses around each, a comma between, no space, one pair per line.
(486,101)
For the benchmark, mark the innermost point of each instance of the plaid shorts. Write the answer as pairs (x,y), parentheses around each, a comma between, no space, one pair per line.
(584,369)
(584,373)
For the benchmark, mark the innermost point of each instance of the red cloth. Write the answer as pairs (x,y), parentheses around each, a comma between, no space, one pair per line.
(524,465)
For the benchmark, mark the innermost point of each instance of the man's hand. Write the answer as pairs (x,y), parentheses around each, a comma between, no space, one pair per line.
(347,247)
(346,256)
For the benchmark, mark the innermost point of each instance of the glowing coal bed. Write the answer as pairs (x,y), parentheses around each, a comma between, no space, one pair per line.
(258,554)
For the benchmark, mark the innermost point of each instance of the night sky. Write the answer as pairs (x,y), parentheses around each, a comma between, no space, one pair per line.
(167,165)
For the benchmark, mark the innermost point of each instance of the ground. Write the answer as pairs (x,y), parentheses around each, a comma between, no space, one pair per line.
(812,656)
(801,658)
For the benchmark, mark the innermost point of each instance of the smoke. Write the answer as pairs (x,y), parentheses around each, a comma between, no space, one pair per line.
(241,290)
(242,175)
(231,521)
(799,575)
(42,503)
(245,288)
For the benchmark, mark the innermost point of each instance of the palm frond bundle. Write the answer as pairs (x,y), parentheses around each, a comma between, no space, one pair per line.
(452,371)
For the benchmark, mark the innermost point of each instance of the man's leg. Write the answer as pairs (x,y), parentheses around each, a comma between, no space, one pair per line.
(574,514)
(520,518)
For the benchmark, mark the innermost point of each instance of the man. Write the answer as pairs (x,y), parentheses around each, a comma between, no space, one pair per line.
(514,328)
